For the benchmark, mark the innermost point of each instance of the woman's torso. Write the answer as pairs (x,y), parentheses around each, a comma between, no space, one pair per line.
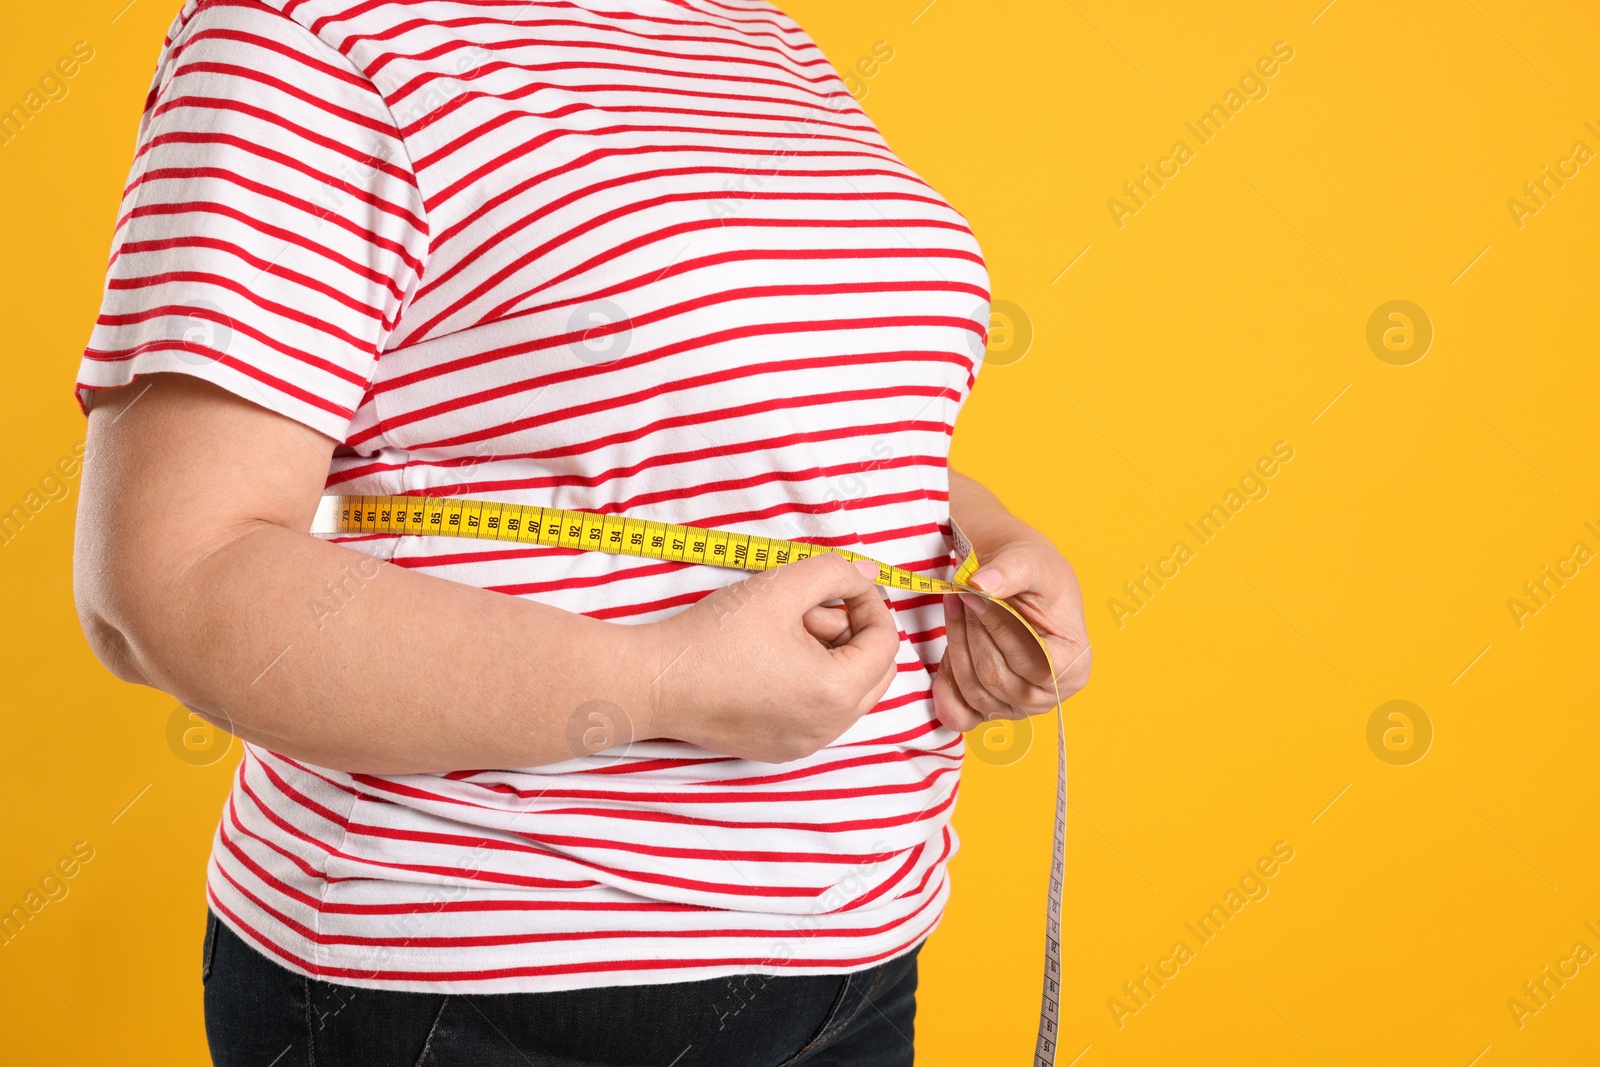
(673,272)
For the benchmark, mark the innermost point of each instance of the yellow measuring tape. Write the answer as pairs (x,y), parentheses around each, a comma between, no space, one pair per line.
(490,520)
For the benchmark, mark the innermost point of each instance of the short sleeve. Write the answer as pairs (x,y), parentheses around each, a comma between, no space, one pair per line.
(271,231)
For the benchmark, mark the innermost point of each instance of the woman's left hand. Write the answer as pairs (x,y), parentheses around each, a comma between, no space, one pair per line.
(992,667)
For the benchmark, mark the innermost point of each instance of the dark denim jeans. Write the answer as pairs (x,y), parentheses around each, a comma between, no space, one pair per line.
(259,1014)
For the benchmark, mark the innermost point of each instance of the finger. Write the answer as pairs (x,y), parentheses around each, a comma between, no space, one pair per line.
(949,707)
(861,660)
(1072,659)
(1042,586)
(1010,572)
(874,636)
(999,678)
(827,624)
(868,615)
(824,577)
(875,694)
(868,651)
(959,640)
(1015,644)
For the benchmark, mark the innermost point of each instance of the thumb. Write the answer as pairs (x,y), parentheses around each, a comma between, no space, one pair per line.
(1010,572)
(826,576)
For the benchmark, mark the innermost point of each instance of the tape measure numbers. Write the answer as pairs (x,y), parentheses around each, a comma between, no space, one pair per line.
(587,531)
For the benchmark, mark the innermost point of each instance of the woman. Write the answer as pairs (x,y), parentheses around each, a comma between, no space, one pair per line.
(503,803)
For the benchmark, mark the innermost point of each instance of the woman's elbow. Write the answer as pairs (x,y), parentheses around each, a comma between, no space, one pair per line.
(113,607)
(111,648)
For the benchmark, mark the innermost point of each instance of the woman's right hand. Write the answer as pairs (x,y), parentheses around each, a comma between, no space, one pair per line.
(748,672)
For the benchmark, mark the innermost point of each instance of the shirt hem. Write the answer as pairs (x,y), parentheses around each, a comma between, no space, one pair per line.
(870,952)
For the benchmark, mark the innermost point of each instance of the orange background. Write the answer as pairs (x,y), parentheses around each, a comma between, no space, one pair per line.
(1168,354)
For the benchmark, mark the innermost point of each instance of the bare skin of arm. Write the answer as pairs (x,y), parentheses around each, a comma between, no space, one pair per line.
(993,668)
(194,574)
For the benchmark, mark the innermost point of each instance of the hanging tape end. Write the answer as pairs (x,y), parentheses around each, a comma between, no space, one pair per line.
(326,520)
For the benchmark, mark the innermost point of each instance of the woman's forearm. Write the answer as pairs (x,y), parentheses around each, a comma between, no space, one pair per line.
(330,656)
(983,518)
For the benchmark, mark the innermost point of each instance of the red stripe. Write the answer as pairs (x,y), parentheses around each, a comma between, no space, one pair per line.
(577,841)
(311,64)
(666,233)
(745,332)
(415,941)
(533,40)
(620,152)
(874,760)
(278,384)
(519,265)
(591,967)
(344,263)
(360,469)
(686,383)
(936,865)
(929,814)
(633,52)
(263,266)
(301,800)
(305,207)
(296,131)
(724,414)
(545,210)
(188,311)
(283,311)
(675,796)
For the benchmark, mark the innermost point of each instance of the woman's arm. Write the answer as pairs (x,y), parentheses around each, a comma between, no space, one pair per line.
(194,574)
(993,668)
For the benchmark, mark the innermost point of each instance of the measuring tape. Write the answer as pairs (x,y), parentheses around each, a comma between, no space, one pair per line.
(490,520)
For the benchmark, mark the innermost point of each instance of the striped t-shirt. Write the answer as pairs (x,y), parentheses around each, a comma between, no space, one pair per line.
(627,256)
